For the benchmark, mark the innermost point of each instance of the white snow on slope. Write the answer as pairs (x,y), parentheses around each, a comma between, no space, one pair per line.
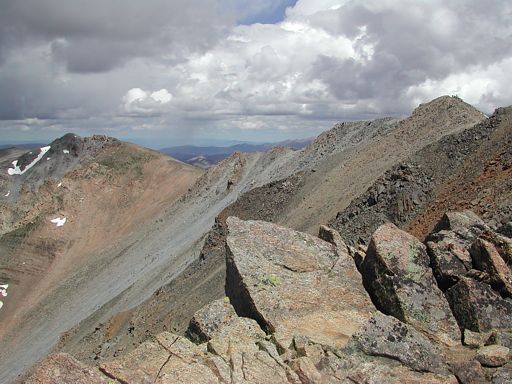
(7,194)
(65,151)
(60,184)
(3,289)
(16,169)
(60,222)
(3,292)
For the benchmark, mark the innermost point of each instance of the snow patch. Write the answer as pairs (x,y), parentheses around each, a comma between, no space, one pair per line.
(7,194)
(3,292)
(3,289)
(60,184)
(66,151)
(60,222)
(47,158)
(15,170)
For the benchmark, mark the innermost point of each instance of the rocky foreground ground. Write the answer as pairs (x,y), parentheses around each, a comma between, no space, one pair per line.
(306,309)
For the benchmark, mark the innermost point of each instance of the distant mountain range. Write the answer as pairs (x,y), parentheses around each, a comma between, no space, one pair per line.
(206,157)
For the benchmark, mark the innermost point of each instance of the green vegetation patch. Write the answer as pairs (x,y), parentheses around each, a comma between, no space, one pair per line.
(125,160)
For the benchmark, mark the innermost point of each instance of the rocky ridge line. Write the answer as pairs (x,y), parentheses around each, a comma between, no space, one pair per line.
(297,312)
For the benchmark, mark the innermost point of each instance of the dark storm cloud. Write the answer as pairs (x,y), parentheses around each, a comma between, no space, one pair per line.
(412,44)
(172,67)
(98,35)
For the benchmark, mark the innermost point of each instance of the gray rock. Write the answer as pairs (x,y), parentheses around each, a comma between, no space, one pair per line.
(397,275)
(466,224)
(449,260)
(493,355)
(469,372)
(477,307)
(294,283)
(386,336)
(503,375)
(487,259)
(209,319)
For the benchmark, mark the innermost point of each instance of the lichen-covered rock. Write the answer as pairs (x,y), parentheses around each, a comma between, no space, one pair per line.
(209,319)
(493,355)
(386,336)
(294,283)
(487,259)
(469,372)
(353,368)
(63,368)
(397,275)
(477,307)
(503,375)
(476,339)
(169,358)
(449,258)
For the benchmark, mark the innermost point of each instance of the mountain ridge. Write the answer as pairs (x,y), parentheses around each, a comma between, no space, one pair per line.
(160,260)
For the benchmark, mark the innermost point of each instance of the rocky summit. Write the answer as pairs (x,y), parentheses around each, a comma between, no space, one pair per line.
(379,253)
(297,311)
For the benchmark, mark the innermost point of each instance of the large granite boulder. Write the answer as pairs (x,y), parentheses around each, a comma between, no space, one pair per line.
(478,307)
(397,275)
(294,283)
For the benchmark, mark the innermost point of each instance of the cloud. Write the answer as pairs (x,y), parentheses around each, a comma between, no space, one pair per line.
(182,67)
(139,102)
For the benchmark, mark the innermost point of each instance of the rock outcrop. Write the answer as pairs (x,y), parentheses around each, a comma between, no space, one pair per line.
(297,312)
(291,282)
(397,275)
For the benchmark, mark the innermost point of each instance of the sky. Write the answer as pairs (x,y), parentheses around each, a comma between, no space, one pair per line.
(172,72)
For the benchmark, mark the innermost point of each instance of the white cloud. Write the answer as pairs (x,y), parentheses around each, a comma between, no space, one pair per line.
(139,102)
(327,60)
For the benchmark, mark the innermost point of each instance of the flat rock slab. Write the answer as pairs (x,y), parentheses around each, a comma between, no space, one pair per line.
(294,284)
(397,274)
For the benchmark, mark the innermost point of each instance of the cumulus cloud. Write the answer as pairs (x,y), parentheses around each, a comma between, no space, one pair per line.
(231,67)
(139,102)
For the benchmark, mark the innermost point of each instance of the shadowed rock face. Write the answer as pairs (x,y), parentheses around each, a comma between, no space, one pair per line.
(486,258)
(397,275)
(293,282)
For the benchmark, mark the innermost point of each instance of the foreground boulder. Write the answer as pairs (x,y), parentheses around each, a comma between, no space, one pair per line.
(298,313)
(397,275)
(478,307)
(294,283)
